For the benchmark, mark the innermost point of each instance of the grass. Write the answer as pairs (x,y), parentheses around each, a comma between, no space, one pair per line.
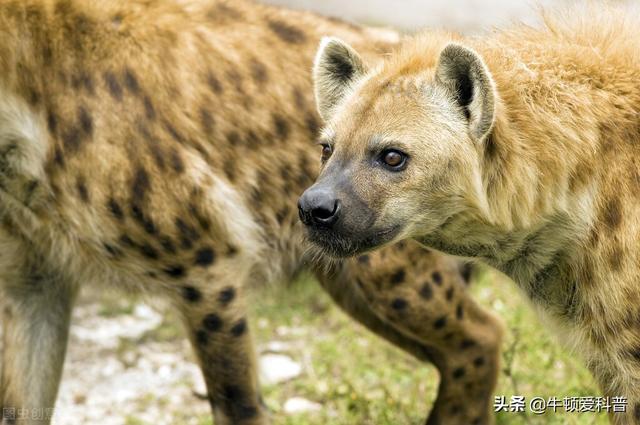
(360,379)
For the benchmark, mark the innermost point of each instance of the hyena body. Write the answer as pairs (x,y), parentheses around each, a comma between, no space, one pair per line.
(160,147)
(519,149)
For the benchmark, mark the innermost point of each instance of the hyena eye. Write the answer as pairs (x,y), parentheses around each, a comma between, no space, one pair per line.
(327,150)
(394,160)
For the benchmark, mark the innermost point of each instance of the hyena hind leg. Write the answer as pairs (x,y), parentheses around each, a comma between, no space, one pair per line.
(36,306)
(216,318)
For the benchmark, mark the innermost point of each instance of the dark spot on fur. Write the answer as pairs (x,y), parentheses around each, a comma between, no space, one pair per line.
(399,304)
(191,294)
(437,278)
(81,186)
(226,296)
(312,123)
(478,361)
(222,14)
(175,271)
(188,234)
(140,185)
(459,312)
(229,170)
(176,161)
(467,343)
(127,241)
(31,187)
(237,404)
(33,96)
(139,216)
(173,132)
(281,126)
(251,139)
(167,245)
(83,80)
(115,209)
(148,251)
(282,215)
(205,257)
(287,33)
(149,110)
(635,353)
(258,71)
(52,121)
(112,250)
(202,338)
(214,84)
(458,373)
(364,259)
(449,293)
(131,81)
(206,119)
(398,277)
(114,87)
(426,291)
(239,328)
(636,411)
(233,138)
(440,322)
(231,250)
(58,156)
(86,122)
(613,214)
(212,322)
(616,258)
(71,139)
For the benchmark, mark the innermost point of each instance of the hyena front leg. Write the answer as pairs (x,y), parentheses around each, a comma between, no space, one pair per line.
(216,319)
(37,303)
(620,381)
(424,296)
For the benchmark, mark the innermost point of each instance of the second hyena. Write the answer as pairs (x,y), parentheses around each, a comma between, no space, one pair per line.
(160,146)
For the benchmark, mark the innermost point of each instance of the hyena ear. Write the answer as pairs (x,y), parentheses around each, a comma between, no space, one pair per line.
(335,67)
(465,75)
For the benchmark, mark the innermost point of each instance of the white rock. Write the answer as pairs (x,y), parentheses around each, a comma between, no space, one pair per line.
(300,405)
(276,368)
(277,346)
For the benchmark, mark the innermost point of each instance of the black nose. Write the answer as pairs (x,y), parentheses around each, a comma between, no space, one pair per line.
(318,207)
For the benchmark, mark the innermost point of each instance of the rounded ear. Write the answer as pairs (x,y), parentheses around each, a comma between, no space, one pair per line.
(335,67)
(464,74)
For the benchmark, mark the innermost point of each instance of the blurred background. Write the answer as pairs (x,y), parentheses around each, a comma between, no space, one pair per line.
(466,16)
(129,363)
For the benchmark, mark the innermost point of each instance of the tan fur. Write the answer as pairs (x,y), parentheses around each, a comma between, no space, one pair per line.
(160,146)
(549,196)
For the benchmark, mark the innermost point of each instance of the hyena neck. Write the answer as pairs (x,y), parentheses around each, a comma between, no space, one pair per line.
(534,257)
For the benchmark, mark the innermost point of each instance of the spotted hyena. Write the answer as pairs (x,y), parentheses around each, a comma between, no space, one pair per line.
(160,146)
(519,149)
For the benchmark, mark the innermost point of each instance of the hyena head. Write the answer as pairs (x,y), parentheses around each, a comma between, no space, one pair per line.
(402,144)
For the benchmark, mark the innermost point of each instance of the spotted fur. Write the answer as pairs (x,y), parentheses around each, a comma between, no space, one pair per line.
(522,152)
(160,146)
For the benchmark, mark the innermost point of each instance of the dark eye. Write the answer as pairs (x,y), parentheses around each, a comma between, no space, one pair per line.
(394,160)
(327,150)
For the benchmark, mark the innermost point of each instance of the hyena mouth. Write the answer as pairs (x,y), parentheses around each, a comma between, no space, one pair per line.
(343,245)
